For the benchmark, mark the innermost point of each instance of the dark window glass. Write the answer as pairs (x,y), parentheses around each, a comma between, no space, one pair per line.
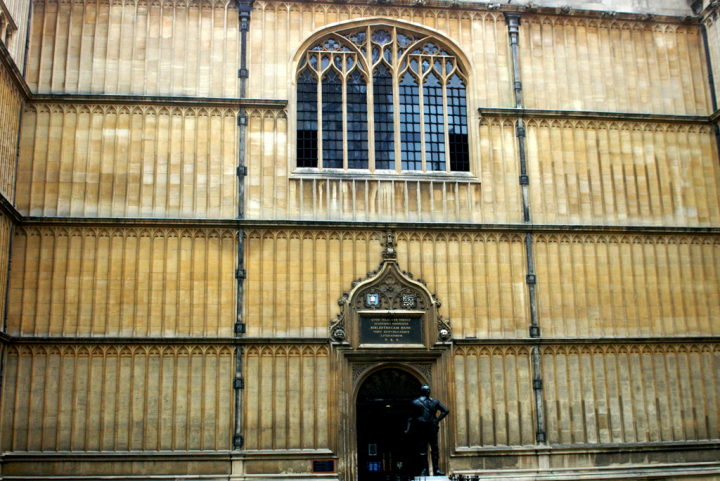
(384,127)
(357,128)
(441,139)
(434,124)
(457,126)
(410,124)
(332,121)
(307,125)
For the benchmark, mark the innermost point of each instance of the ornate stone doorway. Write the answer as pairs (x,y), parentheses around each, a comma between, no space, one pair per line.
(387,340)
(383,400)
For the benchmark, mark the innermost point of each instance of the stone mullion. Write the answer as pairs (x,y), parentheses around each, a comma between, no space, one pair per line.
(512,20)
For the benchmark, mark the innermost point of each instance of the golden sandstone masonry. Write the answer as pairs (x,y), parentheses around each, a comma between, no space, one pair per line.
(203,205)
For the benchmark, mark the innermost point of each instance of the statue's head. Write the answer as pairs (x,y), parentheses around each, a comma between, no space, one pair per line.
(425,390)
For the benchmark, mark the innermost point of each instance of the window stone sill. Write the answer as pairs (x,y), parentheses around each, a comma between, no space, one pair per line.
(382,175)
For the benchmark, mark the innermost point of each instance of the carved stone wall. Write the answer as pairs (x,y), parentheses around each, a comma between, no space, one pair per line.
(121,282)
(142,47)
(623,173)
(596,286)
(632,393)
(114,398)
(120,353)
(287,397)
(125,161)
(10,102)
(613,65)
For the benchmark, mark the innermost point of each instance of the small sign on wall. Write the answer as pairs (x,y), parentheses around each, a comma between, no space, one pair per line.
(391,330)
(323,466)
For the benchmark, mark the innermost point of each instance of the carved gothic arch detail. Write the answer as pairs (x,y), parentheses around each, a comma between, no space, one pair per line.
(389,290)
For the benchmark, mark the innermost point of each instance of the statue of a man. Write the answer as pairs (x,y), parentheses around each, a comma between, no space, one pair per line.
(423,424)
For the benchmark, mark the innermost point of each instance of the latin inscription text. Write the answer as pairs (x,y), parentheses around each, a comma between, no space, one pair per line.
(383,330)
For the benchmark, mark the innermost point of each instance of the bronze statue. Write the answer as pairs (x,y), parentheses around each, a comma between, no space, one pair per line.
(423,424)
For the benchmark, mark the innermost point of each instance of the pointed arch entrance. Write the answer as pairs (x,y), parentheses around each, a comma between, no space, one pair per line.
(387,340)
(383,407)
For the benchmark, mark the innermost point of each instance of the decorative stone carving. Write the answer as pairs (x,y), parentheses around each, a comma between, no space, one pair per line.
(424,368)
(393,294)
(444,331)
(389,251)
(360,368)
(337,325)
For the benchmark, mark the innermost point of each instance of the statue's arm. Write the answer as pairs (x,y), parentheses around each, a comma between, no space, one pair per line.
(443,411)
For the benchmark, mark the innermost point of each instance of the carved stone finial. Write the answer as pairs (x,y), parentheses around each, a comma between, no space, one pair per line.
(566,9)
(609,14)
(444,329)
(337,328)
(648,17)
(389,251)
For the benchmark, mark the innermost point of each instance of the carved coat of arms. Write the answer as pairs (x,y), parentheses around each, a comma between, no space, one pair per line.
(372,299)
(408,301)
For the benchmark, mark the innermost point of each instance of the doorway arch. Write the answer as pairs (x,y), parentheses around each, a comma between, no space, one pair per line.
(382,410)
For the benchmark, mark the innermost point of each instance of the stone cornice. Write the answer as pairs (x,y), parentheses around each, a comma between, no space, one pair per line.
(215,341)
(8,15)
(715,117)
(596,448)
(204,102)
(153,341)
(86,222)
(502,7)
(710,11)
(117,456)
(17,77)
(597,341)
(7,208)
(597,115)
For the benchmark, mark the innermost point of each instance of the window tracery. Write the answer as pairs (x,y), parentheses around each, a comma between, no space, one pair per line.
(381,98)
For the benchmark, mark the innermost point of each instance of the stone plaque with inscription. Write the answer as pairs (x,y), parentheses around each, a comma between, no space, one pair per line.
(390,330)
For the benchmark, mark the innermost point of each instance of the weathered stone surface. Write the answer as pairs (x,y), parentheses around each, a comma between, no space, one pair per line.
(122,361)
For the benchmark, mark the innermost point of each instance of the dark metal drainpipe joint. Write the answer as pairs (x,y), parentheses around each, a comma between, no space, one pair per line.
(512,19)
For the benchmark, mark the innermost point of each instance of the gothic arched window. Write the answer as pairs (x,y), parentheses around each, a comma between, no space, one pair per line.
(381,98)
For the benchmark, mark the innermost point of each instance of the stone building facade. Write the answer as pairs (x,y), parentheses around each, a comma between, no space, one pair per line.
(211,212)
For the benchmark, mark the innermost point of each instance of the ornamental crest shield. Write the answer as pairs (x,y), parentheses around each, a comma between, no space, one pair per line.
(408,301)
(372,299)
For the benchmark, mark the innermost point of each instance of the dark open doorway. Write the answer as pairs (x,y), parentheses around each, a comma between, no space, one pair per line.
(383,407)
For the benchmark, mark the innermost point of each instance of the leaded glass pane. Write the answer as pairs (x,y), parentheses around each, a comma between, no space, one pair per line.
(343,115)
(357,37)
(457,126)
(357,128)
(332,124)
(410,124)
(384,127)
(434,124)
(307,125)
(381,37)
